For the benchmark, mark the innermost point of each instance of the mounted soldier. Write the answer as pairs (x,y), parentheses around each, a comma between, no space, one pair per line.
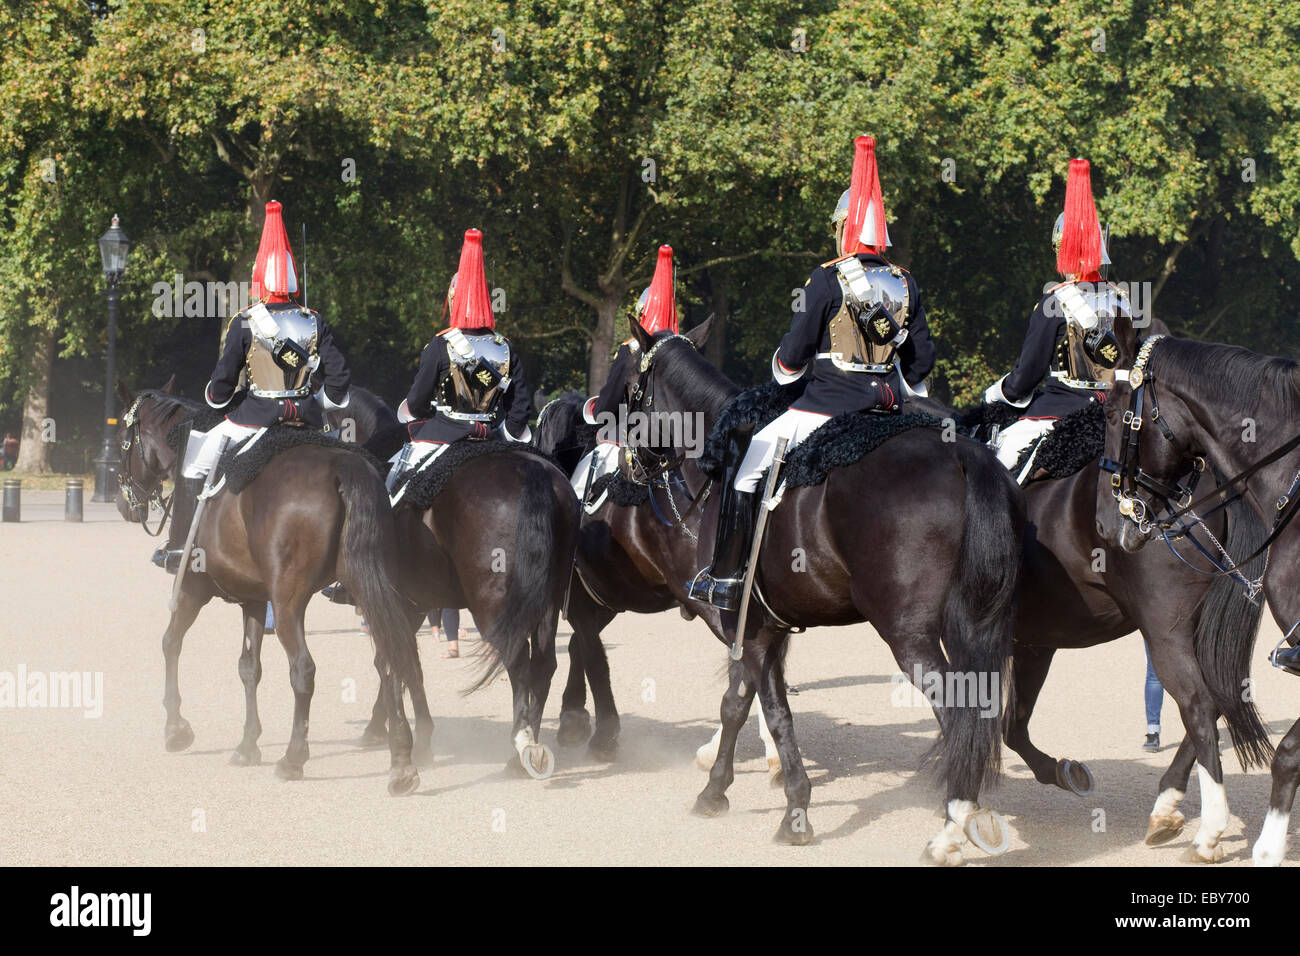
(656,310)
(859,336)
(470,383)
(1071,338)
(280,344)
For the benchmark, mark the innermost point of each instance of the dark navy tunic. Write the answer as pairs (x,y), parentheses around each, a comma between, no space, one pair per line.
(432,426)
(1042,346)
(256,412)
(832,391)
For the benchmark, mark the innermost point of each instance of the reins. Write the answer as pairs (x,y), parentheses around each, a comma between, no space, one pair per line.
(1127,476)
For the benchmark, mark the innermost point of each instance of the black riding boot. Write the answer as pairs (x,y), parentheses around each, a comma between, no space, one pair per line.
(721,583)
(184,500)
(1288,659)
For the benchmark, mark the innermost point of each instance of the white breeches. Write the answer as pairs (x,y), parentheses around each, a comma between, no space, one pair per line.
(792,425)
(601,460)
(1015,438)
(199,461)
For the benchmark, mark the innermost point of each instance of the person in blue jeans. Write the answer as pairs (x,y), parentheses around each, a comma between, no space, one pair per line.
(1155,698)
(450,618)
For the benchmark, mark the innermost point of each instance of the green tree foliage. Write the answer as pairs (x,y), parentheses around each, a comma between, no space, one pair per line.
(581,135)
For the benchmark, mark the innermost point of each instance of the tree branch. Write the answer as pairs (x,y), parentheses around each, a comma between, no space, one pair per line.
(567,282)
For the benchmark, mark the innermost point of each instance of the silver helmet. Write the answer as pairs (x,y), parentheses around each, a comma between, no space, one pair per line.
(841,214)
(640,303)
(1058,230)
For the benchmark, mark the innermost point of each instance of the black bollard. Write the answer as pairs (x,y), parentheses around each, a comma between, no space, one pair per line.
(72,500)
(13,501)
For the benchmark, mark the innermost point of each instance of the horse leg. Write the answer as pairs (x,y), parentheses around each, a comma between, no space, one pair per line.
(376,732)
(535,758)
(775,774)
(604,741)
(1176,666)
(795,828)
(402,776)
(1270,848)
(1166,819)
(248,754)
(1029,669)
(742,685)
(575,721)
(541,671)
(422,752)
(177,733)
(302,678)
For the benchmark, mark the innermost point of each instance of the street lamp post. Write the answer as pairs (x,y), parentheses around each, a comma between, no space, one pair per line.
(113,249)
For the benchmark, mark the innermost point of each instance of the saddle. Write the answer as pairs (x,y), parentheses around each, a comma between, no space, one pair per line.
(242,463)
(1074,443)
(425,484)
(842,441)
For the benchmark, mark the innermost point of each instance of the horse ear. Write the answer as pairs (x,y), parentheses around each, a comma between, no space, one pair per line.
(642,337)
(700,334)
(124,394)
(169,386)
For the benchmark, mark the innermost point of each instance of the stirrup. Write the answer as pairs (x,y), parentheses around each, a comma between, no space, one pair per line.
(1290,668)
(336,593)
(711,595)
(168,560)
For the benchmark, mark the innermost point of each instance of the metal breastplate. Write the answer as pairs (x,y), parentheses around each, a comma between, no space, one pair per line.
(851,350)
(476,383)
(1097,304)
(283,351)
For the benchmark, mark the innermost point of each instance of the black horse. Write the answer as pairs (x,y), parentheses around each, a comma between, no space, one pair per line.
(959,597)
(1075,592)
(1185,401)
(314,514)
(497,539)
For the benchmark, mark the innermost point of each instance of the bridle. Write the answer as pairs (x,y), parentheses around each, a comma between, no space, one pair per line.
(1127,477)
(664,468)
(132,490)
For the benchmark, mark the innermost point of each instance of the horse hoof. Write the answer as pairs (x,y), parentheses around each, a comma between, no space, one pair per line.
(1162,829)
(537,761)
(575,728)
(989,831)
(711,806)
(799,834)
(372,737)
(287,771)
(403,780)
(179,736)
(1203,854)
(246,757)
(1075,777)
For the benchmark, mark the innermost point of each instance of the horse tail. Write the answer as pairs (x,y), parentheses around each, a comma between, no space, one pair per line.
(1225,642)
(978,626)
(368,563)
(529,600)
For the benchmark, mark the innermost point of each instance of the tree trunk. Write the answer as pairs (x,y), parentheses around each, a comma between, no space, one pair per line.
(602,342)
(34,452)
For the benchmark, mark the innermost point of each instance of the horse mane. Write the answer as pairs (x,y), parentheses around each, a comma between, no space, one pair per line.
(1227,374)
(370,412)
(700,385)
(167,402)
(555,428)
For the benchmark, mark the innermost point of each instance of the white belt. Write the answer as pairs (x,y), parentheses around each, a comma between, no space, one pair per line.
(1064,379)
(844,366)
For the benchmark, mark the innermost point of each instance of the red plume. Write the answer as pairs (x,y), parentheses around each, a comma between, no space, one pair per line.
(1080,252)
(274,254)
(471,306)
(661,305)
(865,198)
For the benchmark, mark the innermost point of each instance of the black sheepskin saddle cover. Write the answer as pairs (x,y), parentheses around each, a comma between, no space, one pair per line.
(621,491)
(240,470)
(1075,442)
(842,441)
(202,418)
(424,486)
